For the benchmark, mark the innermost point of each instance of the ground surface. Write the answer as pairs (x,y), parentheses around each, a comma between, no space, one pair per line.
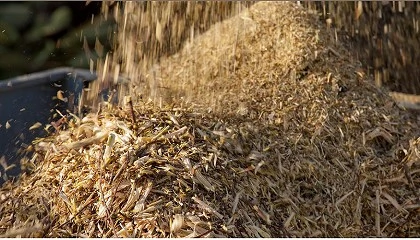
(264,126)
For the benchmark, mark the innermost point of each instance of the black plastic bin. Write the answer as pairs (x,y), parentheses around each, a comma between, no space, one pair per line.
(28,99)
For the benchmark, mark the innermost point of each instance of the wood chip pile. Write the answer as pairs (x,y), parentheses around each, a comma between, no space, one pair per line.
(264,126)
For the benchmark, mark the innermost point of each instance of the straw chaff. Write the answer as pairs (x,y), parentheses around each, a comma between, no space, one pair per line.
(267,128)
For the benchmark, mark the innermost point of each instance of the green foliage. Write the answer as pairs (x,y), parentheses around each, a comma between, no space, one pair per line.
(36,36)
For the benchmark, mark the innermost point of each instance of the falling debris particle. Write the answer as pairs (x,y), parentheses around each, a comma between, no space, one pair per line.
(60,96)
(8,125)
(35,126)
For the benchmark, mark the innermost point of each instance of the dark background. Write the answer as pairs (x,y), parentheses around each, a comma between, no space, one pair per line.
(38,35)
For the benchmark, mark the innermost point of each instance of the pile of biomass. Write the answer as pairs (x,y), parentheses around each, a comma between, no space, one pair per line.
(263,126)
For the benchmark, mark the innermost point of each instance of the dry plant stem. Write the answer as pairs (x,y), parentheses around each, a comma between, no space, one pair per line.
(88,201)
(21,231)
(123,167)
(410,181)
(108,213)
(133,115)
(253,138)
(101,180)
(204,234)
